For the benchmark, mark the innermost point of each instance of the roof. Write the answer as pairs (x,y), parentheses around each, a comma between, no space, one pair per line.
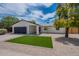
(29,22)
(26,21)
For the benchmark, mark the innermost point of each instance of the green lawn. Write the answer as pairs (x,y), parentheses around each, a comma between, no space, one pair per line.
(33,40)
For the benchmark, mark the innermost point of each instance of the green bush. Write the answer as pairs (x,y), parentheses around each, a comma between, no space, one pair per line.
(3,31)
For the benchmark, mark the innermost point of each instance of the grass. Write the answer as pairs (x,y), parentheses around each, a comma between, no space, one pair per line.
(41,41)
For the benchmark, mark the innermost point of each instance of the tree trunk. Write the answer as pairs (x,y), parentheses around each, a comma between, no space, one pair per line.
(78,30)
(67,33)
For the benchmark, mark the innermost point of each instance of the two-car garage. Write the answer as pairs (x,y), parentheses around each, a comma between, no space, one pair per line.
(20,30)
(25,27)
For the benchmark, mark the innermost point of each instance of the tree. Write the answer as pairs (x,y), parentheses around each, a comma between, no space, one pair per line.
(59,23)
(69,15)
(62,13)
(1,25)
(76,15)
(8,21)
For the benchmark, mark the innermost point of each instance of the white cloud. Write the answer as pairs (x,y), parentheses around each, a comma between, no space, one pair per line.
(3,11)
(49,15)
(35,4)
(18,9)
(39,13)
(47,4)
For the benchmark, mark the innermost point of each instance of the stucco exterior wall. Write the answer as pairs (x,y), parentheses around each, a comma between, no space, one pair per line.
(32,29)
(52,30)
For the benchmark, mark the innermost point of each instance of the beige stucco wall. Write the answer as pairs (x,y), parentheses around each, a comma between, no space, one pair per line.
(52,30)
(32,29)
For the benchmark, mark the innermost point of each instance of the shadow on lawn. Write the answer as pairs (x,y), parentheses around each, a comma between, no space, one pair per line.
(67,41)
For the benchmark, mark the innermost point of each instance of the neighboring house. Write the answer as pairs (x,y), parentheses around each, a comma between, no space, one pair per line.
(27,27)
(51,29)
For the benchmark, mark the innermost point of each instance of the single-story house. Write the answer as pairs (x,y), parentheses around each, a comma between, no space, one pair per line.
(27,27)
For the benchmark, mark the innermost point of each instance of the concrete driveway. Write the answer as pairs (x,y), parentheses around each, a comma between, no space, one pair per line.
(7,51)
(8,36)
(61,47)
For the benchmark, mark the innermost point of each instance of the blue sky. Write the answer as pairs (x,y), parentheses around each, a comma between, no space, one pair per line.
(41,13)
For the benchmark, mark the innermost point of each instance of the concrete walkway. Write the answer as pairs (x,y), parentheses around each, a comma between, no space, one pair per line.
(61,47)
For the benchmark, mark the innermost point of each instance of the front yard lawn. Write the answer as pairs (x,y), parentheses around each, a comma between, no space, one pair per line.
(33,40)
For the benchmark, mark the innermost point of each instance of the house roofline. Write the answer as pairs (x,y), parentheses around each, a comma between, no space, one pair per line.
(29,22)
(26,21)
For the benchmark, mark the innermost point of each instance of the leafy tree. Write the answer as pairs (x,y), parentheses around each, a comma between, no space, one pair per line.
(1,25)
(8,21)
(60,23)
(69,14)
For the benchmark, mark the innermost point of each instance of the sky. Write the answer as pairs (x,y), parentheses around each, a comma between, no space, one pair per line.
(41,13)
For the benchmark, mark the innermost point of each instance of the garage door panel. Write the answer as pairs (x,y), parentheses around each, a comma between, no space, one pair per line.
(20,30)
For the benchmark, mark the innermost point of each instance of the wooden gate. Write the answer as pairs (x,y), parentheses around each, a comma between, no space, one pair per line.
(73,30)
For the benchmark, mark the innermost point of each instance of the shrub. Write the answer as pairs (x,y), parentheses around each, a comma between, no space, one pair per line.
(3,31)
